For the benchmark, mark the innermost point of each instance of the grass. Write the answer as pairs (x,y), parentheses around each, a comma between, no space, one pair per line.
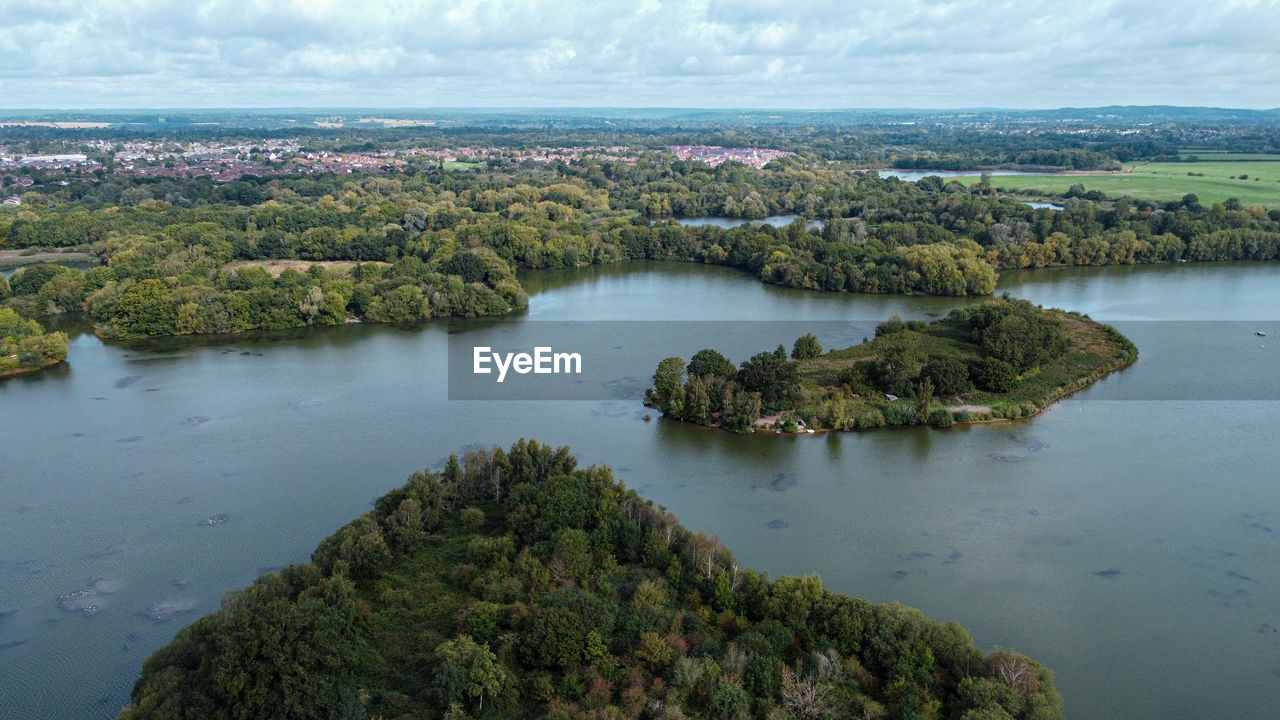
(1213,181)
(461,165)
(1217,155)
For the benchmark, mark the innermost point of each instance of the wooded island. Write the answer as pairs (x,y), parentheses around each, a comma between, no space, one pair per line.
(1005,358)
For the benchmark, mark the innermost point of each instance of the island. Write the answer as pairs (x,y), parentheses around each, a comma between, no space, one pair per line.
(513,583)
(26,347)
(1003,359)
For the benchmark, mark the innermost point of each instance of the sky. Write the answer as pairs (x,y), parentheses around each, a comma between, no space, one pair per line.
(70,54)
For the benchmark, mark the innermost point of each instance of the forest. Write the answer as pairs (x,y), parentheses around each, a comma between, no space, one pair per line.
(513,583)
(24,345)
(1005,358)
(179,254)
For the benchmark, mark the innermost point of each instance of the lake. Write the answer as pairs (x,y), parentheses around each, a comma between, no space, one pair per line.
(1127,543)
(728,223)
(914,175)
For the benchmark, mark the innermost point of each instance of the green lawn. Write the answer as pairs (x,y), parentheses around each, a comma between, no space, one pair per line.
(1212,181)
(461,165)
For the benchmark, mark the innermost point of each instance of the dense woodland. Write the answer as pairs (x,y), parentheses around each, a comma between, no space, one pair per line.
(24,345)
(445,243)
(1006,355)
(515,584)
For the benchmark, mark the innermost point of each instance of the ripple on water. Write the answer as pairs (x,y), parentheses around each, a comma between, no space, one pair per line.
(126,381)
(91,600)
(1029,442)
(168,609)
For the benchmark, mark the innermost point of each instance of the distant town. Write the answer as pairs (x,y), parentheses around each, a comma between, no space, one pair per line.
(226,162)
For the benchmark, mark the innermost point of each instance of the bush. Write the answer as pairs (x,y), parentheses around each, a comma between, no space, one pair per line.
(870,419)
(893,325)
(901,414)
(940,417)
(950,376)
(806,346)
(993,374)
(963,416)
(472,519)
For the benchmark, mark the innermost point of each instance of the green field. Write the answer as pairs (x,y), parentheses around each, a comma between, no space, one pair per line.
(461,165)
(1216,155)
(1213,181)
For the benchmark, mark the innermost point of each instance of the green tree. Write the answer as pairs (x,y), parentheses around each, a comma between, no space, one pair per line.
(668,383)
(146,308)
(806,347)
(484,675)
(710,362)
(771,375)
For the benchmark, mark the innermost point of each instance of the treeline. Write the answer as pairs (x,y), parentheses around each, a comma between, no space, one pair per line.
(515,584)
(133,296)
(877,235)
(1039,159)
(24,345)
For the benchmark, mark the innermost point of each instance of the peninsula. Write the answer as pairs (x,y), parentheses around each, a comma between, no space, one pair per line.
(1005,358)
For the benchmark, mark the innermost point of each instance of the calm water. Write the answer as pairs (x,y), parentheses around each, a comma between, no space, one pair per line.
(774,220)
(1130,545)
(914,175)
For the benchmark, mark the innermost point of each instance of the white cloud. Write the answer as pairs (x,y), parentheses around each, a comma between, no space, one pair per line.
(786,53)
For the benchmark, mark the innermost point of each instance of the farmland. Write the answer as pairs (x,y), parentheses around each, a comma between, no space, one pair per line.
(1253,179)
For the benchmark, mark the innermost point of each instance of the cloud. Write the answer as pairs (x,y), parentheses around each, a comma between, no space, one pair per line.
(716,53)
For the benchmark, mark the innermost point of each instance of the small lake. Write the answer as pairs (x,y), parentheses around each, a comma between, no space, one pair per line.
(1044,205)
(1127,537)
(727,223)
(914,175)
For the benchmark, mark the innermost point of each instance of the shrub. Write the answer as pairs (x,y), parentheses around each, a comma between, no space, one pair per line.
(806,346)
(940,417)
(870,419)
(893,325)
(472,519)
(993,374)
(963,416)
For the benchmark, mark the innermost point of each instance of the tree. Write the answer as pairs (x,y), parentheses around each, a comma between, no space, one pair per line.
(710,362)
(741,409)
(1015,670)
(484,675)
(146,308)
(806,347)
(804,698)
(993,374)
(668,382)
(950,376)
(771,375)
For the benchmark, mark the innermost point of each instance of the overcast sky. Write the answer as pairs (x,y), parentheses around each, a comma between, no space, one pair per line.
(636,53)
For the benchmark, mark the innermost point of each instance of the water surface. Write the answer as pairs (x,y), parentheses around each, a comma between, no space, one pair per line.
(1130,545)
